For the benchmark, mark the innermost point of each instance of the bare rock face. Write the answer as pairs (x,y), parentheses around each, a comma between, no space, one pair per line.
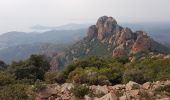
(105,26)
(54,63)
(119,51)
(109,96)
(132,85)
(123,35)
(142,43)
(129,91)
(92,32)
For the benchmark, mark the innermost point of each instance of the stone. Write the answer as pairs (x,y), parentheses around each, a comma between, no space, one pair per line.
(99,89)
(109,96)
(164,99)
(86,97)
(46,93)
(118,87)
(132,85)
(146,85)
(125,97)
(134,93)
(66,87)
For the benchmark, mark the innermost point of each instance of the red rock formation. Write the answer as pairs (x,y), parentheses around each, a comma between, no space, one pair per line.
(119,51)
(142,43)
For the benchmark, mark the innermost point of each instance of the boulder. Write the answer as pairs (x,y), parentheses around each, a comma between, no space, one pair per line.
(146,85)
(134,93)
(86,97)
(46,93)
(109,96)
(118,87)
(125,97)
(66,87)
(132,85)
(99,89)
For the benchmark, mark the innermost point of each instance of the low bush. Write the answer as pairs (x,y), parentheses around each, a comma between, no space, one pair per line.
(80,90)
(14,92)
(165,88)
(133,75)
(6,78)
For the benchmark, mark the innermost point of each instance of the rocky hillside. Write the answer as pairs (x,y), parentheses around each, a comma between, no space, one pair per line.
(108,39)
(159,90)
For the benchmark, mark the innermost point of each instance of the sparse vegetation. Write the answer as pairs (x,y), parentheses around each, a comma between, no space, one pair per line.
(80,90)
(165,88)
(94,70)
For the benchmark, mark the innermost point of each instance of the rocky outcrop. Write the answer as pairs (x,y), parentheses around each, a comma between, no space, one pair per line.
(119,52)
(107,38)
(123,41)
(56,61)
(105,26)
(129,91)
(142,43)
(92,32)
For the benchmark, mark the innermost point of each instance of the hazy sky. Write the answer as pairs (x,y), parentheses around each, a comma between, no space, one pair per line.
(21,14)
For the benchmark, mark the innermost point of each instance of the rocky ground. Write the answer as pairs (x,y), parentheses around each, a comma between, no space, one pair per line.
(159,90)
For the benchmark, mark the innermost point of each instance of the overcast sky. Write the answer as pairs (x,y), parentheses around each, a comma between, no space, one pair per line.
(21,14)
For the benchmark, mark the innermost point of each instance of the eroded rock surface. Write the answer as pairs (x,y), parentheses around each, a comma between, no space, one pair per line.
(129,91)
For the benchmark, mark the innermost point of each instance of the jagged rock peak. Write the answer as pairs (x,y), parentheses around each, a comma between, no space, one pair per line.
(123,40)
(105,26)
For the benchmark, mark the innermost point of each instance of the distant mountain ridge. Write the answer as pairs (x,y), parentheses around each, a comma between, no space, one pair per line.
(30,42)
(53,36)
(71,26)
(20,45)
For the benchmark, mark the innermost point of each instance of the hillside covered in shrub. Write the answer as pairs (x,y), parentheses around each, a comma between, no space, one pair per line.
(25,78)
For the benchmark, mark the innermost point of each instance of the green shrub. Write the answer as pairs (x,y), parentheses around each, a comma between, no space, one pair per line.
(113,74)
(133,75)
(80,90)
(51,77)
(38,86)
(61,77)
(165,88)
(2,65)
(34,68)
(6,78)
(14,92)
(77,76)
